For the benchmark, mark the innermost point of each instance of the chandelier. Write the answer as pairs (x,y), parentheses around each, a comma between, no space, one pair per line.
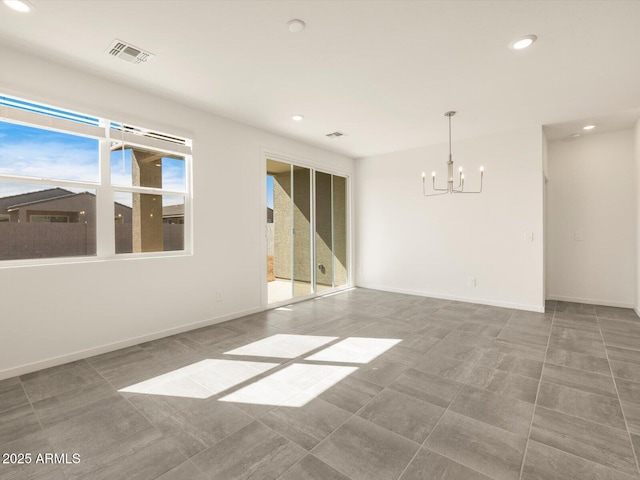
(449,188)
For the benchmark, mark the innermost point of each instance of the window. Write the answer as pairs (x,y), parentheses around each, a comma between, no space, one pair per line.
(35,218)
(142,226)
(56,169)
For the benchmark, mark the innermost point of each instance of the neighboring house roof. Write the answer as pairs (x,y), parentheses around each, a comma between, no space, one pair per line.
(18,206)
(23,198)
(173,211)
(17,201)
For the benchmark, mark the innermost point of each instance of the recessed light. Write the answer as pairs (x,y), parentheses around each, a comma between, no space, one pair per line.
(575,135)
(523,42)
(588,127)
(297,118)
(296,25)
(18,5)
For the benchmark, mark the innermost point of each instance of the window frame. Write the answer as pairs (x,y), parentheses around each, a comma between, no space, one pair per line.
(74,123)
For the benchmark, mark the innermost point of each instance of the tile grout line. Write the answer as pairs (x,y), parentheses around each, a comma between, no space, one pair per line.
(254,419)
(535,403)
(463,384)
(35,412)
(615,384)
(126,399)
(71,391)
(310,452)
(582,418)
(394,433)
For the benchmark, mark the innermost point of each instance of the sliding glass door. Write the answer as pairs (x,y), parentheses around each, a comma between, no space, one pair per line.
(306,231)
(289,256)
(331,231)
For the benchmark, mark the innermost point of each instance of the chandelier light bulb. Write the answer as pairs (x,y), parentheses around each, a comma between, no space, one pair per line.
(460,169)
(481,169)
(433,174)
(423,175)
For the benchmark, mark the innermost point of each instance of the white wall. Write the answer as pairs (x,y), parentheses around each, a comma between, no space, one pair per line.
(56,313)
(430,246)
(637,204)
(591,190)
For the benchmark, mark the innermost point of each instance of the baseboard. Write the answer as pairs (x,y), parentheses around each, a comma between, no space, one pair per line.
(441,296)
(79,355)
(591,301)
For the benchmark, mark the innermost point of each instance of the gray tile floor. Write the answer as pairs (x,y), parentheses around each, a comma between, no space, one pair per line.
(465,392)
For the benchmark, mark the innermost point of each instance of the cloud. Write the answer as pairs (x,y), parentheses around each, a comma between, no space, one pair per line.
(62,161)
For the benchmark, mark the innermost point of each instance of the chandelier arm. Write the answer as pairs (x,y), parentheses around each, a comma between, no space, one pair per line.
(460,187)
(424,188)
(433,185)
(476,191)
(460,183)
(434,194)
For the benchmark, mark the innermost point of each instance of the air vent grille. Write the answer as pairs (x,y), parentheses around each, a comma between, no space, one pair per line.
(128,53)
(335,134)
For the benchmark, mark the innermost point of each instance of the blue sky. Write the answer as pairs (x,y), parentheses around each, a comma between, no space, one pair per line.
(269,191)
(173,171)
(35,152)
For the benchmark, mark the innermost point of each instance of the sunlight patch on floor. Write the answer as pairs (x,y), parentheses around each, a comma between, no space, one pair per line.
(202,379)
(293,386)
(355,350)
(282,346)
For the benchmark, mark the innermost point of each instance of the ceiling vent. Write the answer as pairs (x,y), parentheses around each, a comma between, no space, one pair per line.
(128,53)
(335,134)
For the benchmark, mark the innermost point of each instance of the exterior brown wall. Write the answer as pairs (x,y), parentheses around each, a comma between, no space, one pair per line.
(46,240)
(325,234)
(147,209)
(300,223)
(324,272)
(340,238)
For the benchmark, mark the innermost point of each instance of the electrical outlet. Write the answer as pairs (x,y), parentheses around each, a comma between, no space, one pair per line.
(218,296)
(578,236)
(471,281)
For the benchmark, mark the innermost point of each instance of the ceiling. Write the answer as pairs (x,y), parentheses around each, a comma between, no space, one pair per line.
(382,72)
